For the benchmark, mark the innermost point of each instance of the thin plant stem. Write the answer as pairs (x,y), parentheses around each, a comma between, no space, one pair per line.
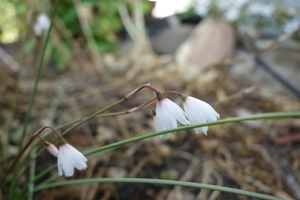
(98,114)
(13,113)
(128,96)
(15,161)
(37,78)
(23,192)
(36,134)
(14,102)
(224,121)
(28,114)
(32,173)
(145,136)
(161,182)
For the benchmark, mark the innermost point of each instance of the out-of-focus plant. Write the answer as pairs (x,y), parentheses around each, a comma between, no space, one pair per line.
(20,179)
(280,16)
(10,22)
(102,17)
(80,24)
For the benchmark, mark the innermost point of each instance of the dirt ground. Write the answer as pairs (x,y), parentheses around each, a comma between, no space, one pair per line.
(260,156)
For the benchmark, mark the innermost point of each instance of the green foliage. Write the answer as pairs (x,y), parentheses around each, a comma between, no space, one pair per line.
(63,56)
(101,18)
(103,21)
(10,20)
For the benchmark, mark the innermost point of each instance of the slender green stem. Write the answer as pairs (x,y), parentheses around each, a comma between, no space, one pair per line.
(32,173)
(97,114)
(15,161)
(13,113)
(145,136)
(36,178)
(22,152)
(37,78)
(224,121)
(158,181)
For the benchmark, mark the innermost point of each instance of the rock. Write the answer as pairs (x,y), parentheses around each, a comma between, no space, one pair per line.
(211,42)
(169,39)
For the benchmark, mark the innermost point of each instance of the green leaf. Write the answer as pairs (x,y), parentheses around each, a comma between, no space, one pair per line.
(158,181)
(104,45)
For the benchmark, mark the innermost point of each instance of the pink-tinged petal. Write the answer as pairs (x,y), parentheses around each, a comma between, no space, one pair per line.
(52,149)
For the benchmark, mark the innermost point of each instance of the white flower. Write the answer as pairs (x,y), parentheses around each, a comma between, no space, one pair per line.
(167,114)
(68,158)
(199,112)
(42,23)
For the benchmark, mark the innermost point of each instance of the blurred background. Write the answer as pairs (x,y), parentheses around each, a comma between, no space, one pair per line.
(242,57)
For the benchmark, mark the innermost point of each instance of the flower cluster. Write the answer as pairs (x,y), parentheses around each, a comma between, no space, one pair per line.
(167,113)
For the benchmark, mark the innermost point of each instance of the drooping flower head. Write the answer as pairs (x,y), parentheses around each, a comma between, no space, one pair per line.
(198,112)
(42,23)
(68,158)
(167,114)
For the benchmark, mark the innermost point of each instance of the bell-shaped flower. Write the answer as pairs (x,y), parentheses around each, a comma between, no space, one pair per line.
(68,158)
(167,114)
(199,112)
(42,23)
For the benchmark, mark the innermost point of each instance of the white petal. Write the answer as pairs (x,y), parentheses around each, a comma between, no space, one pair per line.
(175,111)
(68,158)
(167,113)
(199,112)
(155,122)
(77,158)
(60,170)
(163,119)
(43,21)
(67,166)
(203,129)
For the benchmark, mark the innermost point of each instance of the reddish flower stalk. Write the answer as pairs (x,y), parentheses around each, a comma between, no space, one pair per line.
(133,92)
(35,135)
